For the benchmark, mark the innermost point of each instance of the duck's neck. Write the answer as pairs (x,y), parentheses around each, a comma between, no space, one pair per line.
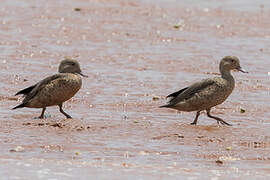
(225,73)
(66,72)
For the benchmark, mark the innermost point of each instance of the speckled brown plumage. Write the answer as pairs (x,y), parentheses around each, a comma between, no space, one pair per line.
(207,93)
(55,89)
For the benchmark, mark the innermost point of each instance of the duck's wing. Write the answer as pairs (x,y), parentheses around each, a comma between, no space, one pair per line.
(26,90)
(175,94)
(39,86)
(188,92)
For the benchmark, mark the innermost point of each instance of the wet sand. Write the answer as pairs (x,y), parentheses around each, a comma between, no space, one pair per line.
(134,51)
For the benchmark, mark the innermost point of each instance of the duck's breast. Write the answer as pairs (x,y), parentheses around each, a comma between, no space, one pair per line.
(216,93)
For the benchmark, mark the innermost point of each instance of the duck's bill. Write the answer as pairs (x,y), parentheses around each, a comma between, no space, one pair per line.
(80,73)
(241,70)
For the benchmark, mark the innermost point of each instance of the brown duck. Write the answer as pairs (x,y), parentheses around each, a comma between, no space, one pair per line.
(207,93)
(55,89)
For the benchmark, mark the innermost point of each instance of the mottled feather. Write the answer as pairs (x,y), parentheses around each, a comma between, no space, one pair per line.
(40,85)
(188,92)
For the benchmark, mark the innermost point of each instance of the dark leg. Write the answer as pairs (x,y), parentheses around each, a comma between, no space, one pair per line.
(42,114)
(219,120)
(61,110)
(196,118)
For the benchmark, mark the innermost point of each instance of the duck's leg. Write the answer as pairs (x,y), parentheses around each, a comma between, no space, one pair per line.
(62,111)
(196,118)
(217,118)
(42,113)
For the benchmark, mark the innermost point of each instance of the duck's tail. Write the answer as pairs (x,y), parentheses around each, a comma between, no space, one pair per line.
(19,106)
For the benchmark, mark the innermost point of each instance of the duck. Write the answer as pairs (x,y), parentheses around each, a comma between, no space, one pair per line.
(54,90)
(207,93)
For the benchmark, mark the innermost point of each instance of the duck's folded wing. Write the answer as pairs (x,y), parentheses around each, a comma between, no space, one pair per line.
(188,92)
(175,94)
(40,85)
(26,90)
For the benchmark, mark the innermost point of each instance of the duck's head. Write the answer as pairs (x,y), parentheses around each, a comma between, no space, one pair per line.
(230,63)
(70,66)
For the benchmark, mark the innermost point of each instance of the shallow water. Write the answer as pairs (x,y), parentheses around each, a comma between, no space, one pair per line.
(132,52)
